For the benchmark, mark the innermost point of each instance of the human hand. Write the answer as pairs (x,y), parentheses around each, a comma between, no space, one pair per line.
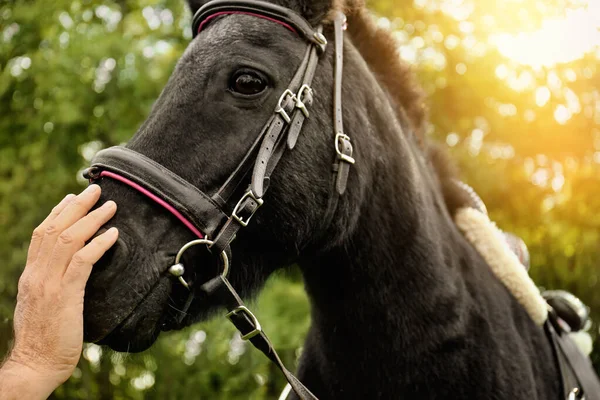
(48,319)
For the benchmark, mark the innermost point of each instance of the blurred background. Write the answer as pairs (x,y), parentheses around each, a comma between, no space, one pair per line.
(513,90)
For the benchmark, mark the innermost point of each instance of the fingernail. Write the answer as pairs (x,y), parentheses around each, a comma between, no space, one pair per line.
(109,205)
(112,231)
(91,189)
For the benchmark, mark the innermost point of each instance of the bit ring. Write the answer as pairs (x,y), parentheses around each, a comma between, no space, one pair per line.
(178,268)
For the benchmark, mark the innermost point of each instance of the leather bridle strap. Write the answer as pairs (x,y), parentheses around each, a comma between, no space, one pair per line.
(209,217)
(192,204)
(249,327)
(274,127)
(272,147)
(237,177)
(259,8)
(278,127)
(343,147)
(293,101)
(303,99)
(342,144)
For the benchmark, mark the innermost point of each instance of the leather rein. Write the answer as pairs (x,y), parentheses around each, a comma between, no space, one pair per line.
(213,216)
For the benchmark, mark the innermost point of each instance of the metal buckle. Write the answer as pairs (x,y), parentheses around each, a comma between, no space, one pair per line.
(244,310)
(280,109)
(575,394)
(300,99)
(344,157)
(320,38)
(239,219)
(178,269)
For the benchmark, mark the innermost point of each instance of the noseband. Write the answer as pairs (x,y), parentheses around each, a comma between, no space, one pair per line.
(220,216)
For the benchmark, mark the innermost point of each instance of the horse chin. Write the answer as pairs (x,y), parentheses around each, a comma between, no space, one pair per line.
(139,329)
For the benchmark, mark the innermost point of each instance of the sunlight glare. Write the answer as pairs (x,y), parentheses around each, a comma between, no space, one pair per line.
(501,71)
(542,95)
(559,40)
(562,114)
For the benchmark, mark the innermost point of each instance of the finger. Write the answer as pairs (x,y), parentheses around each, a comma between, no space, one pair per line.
(73,238)
(38,233)
(75,210)
(81,264)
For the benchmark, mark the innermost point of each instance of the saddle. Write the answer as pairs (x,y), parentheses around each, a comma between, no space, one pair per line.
(567,315)
(561,313)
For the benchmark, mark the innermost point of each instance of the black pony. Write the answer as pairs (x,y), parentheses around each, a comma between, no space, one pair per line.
(403,306)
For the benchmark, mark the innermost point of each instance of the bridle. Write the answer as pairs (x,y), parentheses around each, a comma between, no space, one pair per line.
(213,216)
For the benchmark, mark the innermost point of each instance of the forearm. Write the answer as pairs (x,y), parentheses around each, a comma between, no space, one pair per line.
(48,320)
(18,382)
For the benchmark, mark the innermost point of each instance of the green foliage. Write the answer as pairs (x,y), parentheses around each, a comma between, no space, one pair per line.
(76,76)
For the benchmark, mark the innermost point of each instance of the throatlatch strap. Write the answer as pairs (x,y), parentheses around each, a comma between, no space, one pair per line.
(343,146)
(249,327)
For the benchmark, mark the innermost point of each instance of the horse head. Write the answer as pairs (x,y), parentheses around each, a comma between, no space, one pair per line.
(216,105)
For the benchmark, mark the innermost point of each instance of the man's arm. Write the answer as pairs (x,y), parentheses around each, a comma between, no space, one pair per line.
(19,382)
(48,319)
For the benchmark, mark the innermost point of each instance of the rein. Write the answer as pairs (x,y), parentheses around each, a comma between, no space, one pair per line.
(209,216)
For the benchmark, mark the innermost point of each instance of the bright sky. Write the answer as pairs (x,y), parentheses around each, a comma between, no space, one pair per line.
(559,40)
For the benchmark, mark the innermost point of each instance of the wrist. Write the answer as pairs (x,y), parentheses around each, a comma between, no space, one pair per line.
(18,381)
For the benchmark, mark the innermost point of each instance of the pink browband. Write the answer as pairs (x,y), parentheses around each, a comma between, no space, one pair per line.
(215,15)
(156,199)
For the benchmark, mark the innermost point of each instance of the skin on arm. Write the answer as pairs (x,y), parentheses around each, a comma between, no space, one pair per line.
(48,319)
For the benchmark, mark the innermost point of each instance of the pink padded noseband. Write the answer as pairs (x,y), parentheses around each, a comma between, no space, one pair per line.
(156,199)
(219,14)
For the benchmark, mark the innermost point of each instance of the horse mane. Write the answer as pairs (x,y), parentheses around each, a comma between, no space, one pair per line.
(380,51)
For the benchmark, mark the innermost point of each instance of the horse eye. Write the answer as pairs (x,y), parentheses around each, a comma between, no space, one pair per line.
(247,83)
